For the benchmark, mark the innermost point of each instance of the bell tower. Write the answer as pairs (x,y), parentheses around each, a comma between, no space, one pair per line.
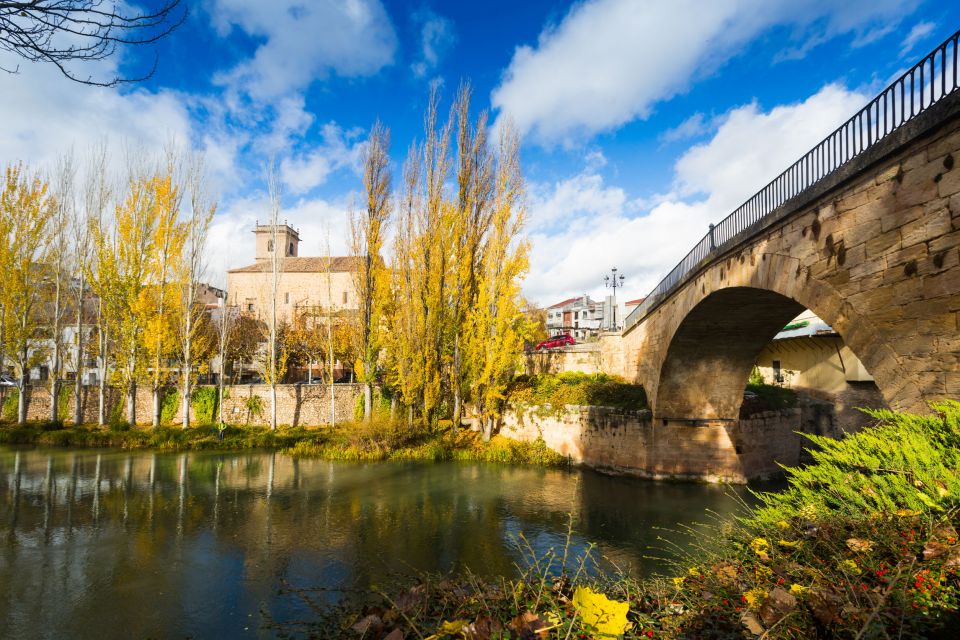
(286,238)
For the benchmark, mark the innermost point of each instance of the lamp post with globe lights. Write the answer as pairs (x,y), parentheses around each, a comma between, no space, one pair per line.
(613,281)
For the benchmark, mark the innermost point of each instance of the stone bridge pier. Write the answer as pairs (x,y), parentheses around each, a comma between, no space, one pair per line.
(873,248)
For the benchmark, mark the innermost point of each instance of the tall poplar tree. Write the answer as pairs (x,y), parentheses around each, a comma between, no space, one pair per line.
(368,228)
(202,208)
(59,258)
(160,302)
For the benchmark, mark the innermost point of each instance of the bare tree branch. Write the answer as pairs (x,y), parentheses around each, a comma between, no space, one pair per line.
(63,31)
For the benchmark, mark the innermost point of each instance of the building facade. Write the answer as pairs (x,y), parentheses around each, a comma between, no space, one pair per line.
(303,283)
(581,317)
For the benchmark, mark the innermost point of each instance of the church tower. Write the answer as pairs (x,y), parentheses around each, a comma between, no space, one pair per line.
(287,239)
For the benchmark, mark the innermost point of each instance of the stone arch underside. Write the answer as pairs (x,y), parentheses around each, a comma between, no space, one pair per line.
(734,309)
(714,349)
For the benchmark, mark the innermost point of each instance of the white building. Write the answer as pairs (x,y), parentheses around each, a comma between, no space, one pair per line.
(581,317)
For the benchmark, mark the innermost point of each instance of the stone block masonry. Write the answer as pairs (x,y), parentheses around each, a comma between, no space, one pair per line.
(633,443)
(297,405)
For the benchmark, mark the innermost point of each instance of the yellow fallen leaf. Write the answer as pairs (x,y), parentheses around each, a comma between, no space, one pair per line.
(603,615)
(450,628)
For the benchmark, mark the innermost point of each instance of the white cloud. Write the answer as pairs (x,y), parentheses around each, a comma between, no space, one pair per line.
(610,61)
(304,42)
(751,147)
(437,36)
(694,126)
(919,31)
(44,115)
(337,149)
(581,227)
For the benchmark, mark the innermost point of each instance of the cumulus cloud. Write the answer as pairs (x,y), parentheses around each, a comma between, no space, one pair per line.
(44,115)
(337,149)
(304,42)
(581,227)
(437,36)
(611,61)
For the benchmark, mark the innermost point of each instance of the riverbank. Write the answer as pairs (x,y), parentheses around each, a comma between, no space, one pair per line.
(863,543)
(378,441)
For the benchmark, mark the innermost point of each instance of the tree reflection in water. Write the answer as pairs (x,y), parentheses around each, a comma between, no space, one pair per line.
(114,543)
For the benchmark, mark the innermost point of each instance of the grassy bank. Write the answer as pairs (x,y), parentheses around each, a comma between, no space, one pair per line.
(550,392)
(863,543)
(350,442)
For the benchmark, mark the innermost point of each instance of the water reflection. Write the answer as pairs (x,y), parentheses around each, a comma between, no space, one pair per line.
(152,544)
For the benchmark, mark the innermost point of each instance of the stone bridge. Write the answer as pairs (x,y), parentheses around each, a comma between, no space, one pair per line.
(864,231)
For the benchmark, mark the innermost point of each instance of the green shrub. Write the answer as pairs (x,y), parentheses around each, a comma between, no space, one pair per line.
(552,392)
(169,404)
(204,403)
(9,409)
(254,407)
(756,378)
(64,394)
(118,425)
(117,413)
(768,397)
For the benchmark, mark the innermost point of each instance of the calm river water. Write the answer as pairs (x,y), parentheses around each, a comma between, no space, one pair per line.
(115,544)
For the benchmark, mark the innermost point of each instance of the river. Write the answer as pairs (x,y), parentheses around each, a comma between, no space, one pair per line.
(140,544)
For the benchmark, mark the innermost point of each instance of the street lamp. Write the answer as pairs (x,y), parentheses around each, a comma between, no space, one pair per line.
(612,282)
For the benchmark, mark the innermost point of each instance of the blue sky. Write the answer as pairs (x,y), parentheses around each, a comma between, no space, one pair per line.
(642,120)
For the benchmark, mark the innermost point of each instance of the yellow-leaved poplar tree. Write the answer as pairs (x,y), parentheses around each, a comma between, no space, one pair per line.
(26,209)
(371,280)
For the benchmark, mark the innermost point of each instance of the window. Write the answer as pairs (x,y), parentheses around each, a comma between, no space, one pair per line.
(290,253)
(344,297)
(777,372)
(269,245)
(250,306)
(286,298)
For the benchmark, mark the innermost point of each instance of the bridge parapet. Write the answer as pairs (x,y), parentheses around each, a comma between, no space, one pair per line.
(914,103)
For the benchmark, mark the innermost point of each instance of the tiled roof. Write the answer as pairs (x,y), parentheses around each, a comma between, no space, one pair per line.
(564,303)
(637,301)
(318,264)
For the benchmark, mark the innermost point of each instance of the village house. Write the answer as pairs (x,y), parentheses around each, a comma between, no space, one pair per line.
(581,317)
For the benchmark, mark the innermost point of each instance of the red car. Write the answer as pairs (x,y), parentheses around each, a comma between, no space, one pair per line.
(556,341)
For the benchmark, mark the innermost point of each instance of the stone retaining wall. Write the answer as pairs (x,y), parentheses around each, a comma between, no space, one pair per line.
(297,405)
(630,442)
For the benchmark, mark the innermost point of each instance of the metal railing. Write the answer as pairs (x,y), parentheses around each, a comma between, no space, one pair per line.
(926,83)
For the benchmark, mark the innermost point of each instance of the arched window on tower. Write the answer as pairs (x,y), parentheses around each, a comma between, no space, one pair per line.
(290,252)
(269,245)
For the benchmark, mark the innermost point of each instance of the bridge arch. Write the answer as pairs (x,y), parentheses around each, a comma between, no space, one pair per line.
(712,333)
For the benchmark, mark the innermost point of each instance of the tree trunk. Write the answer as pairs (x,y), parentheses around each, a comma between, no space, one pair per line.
(487,429)
(457,409)
(55,360)
(367,401)
(132,403)
(78,400)
(156,407)
(393,408)
(185,401)
(54,399)
(102,399)
(78,377)
(22,396)
(188,357)
(410,415)
(186,408)
(273,406)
